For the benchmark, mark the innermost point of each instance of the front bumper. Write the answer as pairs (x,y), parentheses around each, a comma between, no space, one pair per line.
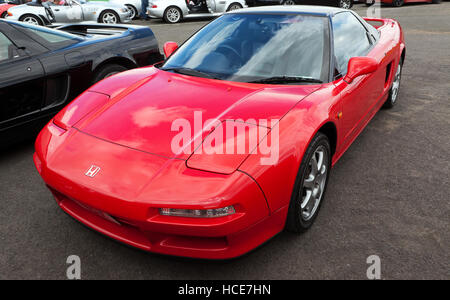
(139,224)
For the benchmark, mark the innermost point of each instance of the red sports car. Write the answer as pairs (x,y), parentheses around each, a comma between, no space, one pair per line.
(231,139)
(7,4)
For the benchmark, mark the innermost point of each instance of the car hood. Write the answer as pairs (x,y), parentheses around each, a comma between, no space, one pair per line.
(143,116)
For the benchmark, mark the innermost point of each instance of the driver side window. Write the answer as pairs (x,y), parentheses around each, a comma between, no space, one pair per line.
(350,40)
(6,48)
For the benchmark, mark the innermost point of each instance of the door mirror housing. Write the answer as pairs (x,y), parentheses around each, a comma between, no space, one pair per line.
(169,48)
(358,66)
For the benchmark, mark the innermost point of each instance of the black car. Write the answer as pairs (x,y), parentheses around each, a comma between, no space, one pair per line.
(42,69)
(347,4)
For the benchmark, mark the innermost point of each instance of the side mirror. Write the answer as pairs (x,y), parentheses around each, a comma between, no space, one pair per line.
(169,48)
(358,66)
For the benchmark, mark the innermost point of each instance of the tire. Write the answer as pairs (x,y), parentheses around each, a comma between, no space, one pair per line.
(3,15)
(107,71)
(32,19)
(109,17)
(398,3)
(393,92)
(133,9)
(172,15)
(370,2)
(298,220)
(346,4)
(234,6)
(288,2)
(436,1)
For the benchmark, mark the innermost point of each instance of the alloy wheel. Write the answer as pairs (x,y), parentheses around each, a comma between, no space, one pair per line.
(314,183)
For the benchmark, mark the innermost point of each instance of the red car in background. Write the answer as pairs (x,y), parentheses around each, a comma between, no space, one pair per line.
(132,158)
(398,3)
(5,5)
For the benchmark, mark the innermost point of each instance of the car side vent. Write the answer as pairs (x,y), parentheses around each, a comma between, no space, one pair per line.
(388,72)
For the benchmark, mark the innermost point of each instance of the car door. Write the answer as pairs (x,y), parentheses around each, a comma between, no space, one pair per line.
(67,12)
(22,84)
(351,39)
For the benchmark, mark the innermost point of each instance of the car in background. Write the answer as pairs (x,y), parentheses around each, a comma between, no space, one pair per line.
(346,4)
(70,11)
(42,69)
(135,6)
(132,159)
(7,4)
(398,3)
(173,11)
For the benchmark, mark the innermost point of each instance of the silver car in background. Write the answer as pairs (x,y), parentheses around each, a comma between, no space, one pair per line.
(135,6)
(70,11)
(173,11)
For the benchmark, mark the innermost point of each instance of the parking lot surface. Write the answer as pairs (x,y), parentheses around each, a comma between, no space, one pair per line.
(388,195)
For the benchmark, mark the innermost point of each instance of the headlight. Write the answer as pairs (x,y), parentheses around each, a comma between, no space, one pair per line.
(198,213)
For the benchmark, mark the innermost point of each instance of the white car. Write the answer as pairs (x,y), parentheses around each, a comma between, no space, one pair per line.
(173,11)
(70,11)
(134,6)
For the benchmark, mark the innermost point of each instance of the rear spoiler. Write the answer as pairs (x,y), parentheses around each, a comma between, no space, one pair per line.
(378,22)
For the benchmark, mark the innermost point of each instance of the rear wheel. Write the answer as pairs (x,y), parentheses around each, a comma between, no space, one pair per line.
(31,19)
(310,185)
(107,71)
(234,6)
(109,17)
(134,12)
(393,92)
(4,14)
(172,15)
(398,3)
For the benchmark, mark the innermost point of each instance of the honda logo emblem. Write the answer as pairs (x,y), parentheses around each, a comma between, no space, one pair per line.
(93,170)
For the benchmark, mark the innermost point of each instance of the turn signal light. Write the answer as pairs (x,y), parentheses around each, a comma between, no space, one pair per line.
(198,213)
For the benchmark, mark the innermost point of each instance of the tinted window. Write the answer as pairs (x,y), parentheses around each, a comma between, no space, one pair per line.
(50,38)
(248,47)
(350,39)
(6,48)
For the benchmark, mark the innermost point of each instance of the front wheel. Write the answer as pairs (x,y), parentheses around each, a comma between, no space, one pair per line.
(289,2)
(172,15)
(234,6)
(134,12)
(310,185)
(393,92)
(109,17)
(345,4)
(31,19)
(398,3)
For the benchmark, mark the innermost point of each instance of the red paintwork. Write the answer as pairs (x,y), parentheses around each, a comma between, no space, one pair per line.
(4,7)
(123,125)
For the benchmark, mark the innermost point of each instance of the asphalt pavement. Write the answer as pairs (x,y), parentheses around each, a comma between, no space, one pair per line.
(387,196)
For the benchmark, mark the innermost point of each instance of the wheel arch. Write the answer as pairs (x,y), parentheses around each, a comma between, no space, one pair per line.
(330,130)
(118,60)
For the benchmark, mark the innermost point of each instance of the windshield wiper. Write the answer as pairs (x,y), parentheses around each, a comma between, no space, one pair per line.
(191,72)
(287,79)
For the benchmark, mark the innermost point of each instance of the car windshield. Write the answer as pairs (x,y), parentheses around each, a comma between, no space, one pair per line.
(278,48)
